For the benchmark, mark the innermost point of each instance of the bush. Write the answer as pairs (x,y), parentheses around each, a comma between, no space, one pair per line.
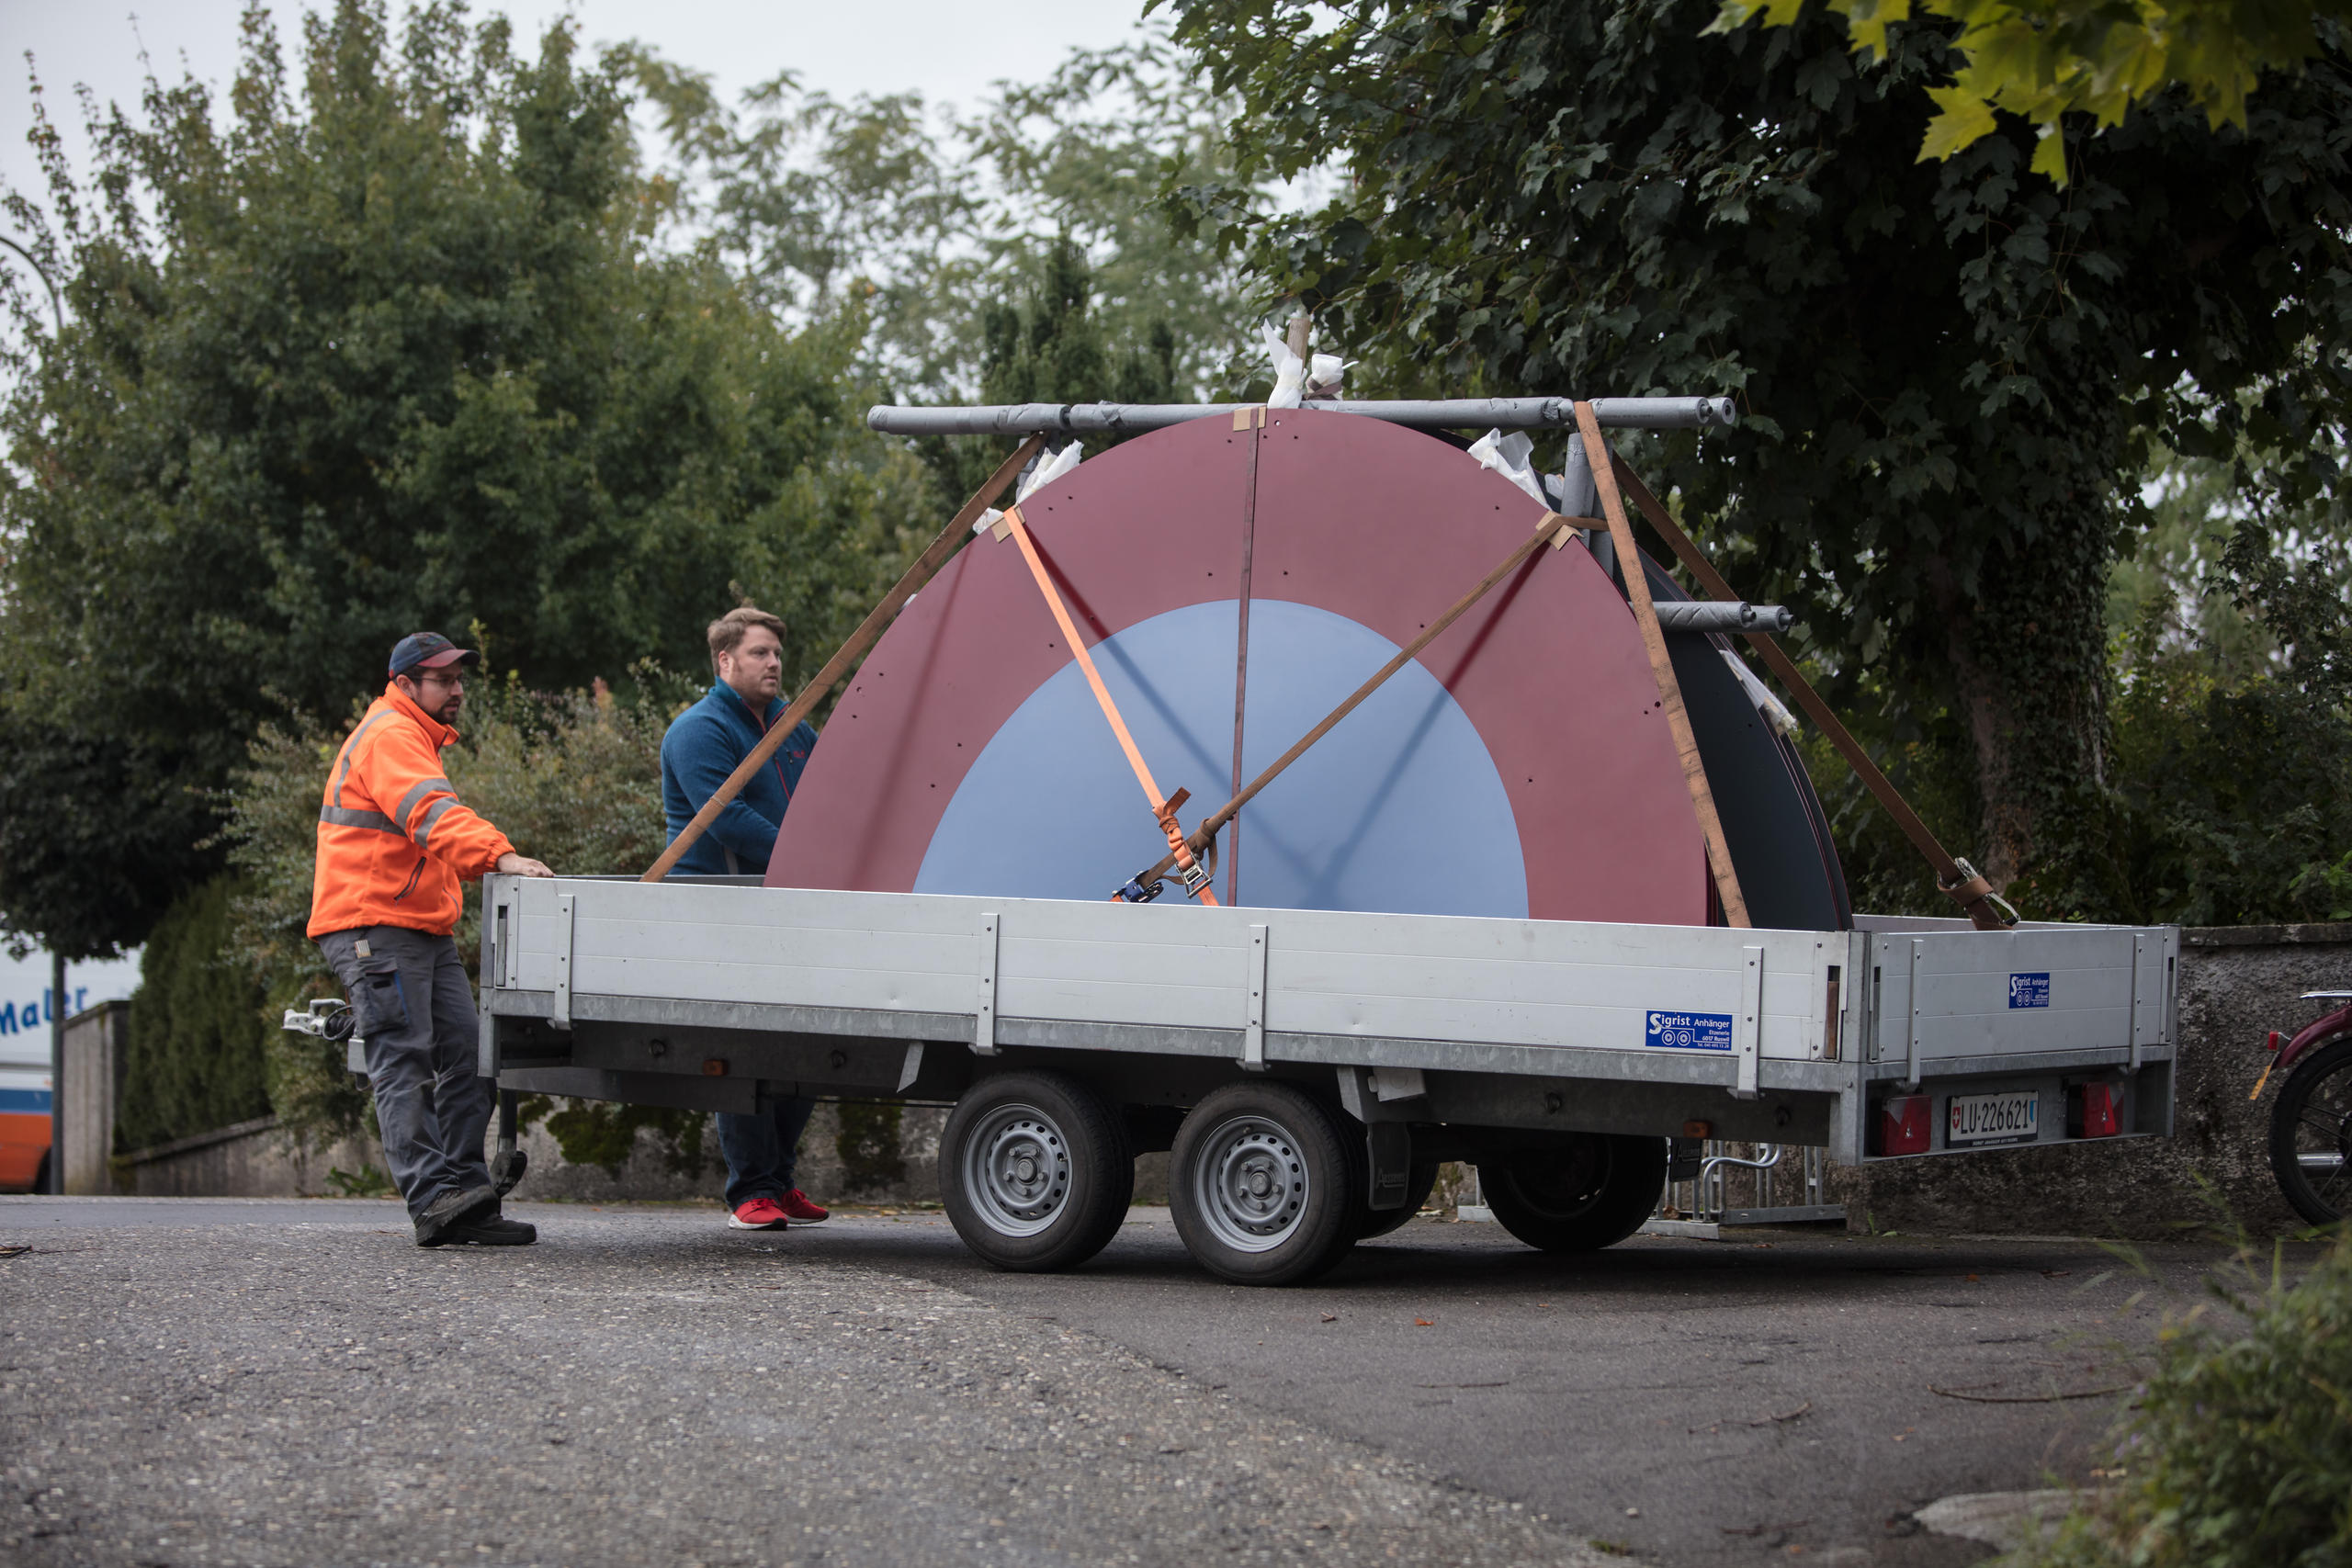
(573,778)
(195,1058)
(2240,1452)
(868,1145)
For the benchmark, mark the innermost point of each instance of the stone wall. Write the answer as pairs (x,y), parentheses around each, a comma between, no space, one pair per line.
(2237,983)
(250,1159)
(257,1159)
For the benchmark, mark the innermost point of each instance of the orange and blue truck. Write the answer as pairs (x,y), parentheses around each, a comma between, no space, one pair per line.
(25,1090)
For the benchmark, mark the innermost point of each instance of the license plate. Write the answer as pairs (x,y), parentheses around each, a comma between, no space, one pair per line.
(1981,1121)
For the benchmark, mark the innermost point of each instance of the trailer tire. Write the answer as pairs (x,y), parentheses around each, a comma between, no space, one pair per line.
(1420,1181)
(1263,1186)
(1591,1195)
(2312,1117)
(1036,1171)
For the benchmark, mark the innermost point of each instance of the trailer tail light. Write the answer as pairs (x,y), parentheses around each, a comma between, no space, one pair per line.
(2091,1112)
(1905,1125)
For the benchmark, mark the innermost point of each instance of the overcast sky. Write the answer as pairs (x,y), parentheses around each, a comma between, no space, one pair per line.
(951,51)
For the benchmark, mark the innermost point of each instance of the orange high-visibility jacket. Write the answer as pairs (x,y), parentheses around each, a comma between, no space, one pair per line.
(394,840)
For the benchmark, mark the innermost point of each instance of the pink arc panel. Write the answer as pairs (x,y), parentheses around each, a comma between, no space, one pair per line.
(1378,525)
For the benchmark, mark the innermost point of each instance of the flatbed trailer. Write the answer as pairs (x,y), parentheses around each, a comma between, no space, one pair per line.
(1308,1069)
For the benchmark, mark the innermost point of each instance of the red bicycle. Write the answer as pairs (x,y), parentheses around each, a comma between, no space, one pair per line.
(2310,1126)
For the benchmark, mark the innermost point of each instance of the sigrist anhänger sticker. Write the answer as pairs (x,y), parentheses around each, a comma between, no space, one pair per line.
(1690,1031)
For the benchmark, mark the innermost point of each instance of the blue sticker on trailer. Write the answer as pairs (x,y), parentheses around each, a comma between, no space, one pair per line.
(1690,1031)
(2030,991)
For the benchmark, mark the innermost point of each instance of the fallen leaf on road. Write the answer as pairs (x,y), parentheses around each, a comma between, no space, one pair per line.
(1771,1420)
(1423,1323)
(1330,1317)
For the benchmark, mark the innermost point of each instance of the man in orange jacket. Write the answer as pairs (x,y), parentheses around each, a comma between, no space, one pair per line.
(394,841)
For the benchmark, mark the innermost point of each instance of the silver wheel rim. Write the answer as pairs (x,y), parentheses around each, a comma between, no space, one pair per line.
(1016,1169)
(1249,1183)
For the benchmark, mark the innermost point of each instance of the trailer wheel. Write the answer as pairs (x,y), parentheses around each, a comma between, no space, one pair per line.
(2311,1134)
(1420,1181)
(1036,1171)
(1591,1195)
(1263,1187)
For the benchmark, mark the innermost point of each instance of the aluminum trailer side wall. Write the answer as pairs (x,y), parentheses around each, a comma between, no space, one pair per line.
(708,995)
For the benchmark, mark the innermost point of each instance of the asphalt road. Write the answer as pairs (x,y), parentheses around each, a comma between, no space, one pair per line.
(204,1381)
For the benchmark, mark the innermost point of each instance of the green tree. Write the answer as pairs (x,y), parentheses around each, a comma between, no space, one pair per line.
(1049,347)
(2096,57)
(196,1053)
(934,225)
(393,350)
(1950,373)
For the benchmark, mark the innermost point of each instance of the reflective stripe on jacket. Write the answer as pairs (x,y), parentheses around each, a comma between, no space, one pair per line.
(394,840)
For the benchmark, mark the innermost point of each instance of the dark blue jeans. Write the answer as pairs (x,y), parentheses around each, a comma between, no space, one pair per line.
(762,1149)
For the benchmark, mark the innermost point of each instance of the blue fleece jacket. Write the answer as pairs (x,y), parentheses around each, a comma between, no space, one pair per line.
(703,748)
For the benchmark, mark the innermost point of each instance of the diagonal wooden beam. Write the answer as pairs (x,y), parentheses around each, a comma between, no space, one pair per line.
(846,657)
(1548,527)
(1669,690)
(1962,883)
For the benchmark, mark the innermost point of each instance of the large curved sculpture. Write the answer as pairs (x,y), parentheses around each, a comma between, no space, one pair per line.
(1234,585)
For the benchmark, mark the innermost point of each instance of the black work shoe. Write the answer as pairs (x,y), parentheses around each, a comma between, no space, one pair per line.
(451,1207)
(489,1230)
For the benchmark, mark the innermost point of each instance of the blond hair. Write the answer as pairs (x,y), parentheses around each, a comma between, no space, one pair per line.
(728,632)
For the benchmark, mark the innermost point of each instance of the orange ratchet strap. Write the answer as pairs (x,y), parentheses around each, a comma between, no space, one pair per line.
(1196,877)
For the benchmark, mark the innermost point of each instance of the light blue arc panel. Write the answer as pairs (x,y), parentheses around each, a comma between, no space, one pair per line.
(1398,808)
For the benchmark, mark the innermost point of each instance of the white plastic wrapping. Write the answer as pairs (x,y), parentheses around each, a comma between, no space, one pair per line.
(1039,476)
(1290,373)
(1327,376)
(1510,456)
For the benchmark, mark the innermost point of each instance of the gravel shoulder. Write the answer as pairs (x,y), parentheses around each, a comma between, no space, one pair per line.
(640,1388)
(293,1382)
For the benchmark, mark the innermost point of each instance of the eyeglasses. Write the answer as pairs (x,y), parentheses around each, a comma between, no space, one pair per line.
(446,677)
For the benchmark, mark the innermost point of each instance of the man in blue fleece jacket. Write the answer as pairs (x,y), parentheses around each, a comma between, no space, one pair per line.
(703,749)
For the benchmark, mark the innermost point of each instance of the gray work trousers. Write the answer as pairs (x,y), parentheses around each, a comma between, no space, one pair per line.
(415,1011)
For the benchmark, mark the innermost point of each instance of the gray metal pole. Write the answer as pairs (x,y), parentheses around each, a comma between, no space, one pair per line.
(56,1074)
(1437,414)
(1712,615)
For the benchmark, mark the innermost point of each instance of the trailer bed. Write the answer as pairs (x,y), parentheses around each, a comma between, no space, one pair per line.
(709,993)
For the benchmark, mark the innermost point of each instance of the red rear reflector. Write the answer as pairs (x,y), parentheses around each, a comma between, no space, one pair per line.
(2092,1113)
(1903,1125)
(2275,1038)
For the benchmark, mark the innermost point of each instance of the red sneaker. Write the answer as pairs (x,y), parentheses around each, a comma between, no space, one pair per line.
(797,1208)
(759,1215)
